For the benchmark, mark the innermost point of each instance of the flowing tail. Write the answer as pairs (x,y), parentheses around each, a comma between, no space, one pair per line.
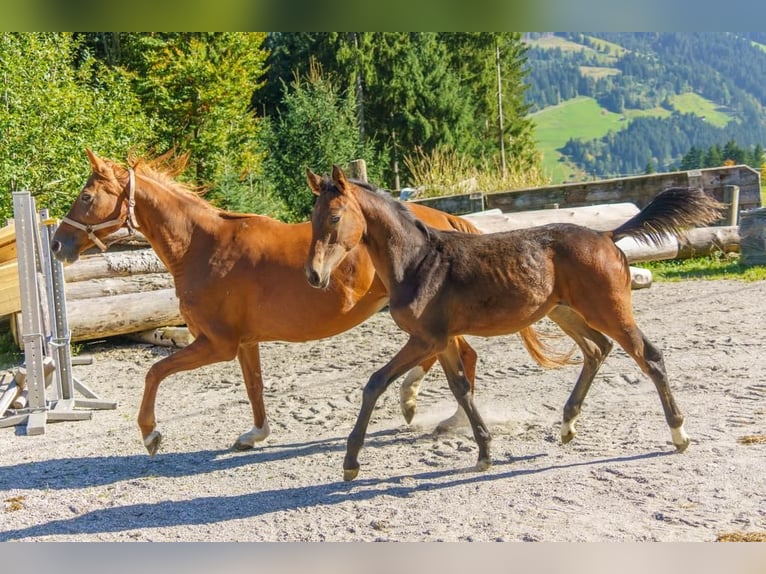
(542,353)
(671,211)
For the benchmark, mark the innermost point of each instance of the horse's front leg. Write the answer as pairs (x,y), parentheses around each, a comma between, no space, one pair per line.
(412,354)
(250,361)
(198,353)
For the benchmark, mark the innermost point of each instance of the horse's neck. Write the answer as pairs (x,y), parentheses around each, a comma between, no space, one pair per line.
(394,241)
(167,219)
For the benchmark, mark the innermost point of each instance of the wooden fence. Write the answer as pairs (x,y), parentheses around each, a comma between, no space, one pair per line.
(639,190)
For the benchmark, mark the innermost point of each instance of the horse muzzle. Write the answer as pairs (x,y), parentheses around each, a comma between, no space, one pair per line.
(316,279)
(64,251)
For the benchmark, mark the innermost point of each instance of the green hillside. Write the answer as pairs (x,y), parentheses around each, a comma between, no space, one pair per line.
(631,99)
(584,118)
(577,118)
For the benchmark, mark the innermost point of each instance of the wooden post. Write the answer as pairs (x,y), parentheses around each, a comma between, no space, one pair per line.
(357,169)
(731,197)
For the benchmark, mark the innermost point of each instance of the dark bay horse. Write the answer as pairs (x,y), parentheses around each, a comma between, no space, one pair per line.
(239,278)
(445,284)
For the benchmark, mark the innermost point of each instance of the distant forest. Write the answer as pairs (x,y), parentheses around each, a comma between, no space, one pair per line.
(642,71)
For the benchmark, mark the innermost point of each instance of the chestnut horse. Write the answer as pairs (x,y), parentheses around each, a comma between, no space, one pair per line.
(239,279)
(445,284)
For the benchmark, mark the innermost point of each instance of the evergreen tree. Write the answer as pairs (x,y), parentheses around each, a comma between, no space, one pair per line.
(315,128)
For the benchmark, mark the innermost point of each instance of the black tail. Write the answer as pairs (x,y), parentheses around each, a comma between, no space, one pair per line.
(670,212)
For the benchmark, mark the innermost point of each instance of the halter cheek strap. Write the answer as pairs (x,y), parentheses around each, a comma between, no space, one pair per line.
(129,221)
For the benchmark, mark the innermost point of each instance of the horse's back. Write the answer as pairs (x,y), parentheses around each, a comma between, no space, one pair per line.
(524,273)
(441,219)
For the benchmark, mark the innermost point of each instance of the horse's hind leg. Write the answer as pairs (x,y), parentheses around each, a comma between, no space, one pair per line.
(460,386)
(595,347)
(408,391)
(468,358)
(616,320)
(250,361)
(198,353)
(651,361)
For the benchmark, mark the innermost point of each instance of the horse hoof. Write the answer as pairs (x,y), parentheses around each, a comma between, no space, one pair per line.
(241,446)
(565,438)
(680,438)
(350,473)
(483,465)
(683,446)
(408,411)
(152,442)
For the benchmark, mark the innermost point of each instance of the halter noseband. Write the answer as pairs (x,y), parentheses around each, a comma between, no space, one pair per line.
(129,221)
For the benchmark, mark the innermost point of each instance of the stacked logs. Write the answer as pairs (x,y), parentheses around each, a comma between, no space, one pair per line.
(124,291)
(117,293)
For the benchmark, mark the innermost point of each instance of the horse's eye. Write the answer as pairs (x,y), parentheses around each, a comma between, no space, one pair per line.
(334,218)
(86,197)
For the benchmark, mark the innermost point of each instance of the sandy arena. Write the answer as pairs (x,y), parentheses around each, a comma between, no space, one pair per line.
(619,480)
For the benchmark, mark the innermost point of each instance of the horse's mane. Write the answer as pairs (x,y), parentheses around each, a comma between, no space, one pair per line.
(163,169)
(397,206)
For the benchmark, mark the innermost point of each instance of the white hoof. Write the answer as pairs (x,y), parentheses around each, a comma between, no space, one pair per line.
(568,431)
(254,435)
(680,438)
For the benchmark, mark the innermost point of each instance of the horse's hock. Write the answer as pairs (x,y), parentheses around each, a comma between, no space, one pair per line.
(752,237)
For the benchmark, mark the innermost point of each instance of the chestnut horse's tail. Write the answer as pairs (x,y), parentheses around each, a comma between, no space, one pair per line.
(669,212)
(544,355)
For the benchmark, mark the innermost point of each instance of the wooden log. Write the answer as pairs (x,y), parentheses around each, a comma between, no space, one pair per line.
(7,243)
(10,295)
(164,336)
(637,251)
(114,264)
(752,231)
(708,240)
(599,217)
(8,396)
(21,400)
(110,286)
(121,314)
(640,278)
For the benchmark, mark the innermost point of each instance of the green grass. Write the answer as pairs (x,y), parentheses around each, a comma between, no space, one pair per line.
(552,42)
(583,118)
(690,103)
(717,266)
(580,117)
(597,72)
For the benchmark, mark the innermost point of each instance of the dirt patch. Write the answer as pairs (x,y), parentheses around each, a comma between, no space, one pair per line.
(618,480)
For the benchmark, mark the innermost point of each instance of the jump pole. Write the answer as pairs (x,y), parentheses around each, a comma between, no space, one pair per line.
(43,345)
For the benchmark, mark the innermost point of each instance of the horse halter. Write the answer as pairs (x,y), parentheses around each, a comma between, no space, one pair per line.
(129,221)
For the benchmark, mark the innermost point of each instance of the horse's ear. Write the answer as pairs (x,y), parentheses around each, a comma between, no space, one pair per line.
(97,164)
(339,178)
(314,181)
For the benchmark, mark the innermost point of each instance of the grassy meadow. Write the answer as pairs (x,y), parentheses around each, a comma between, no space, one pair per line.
(584,118)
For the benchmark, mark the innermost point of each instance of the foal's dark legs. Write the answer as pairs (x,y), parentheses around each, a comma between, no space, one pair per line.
(595,347)
(653,364)
(649,358)
(413,353)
